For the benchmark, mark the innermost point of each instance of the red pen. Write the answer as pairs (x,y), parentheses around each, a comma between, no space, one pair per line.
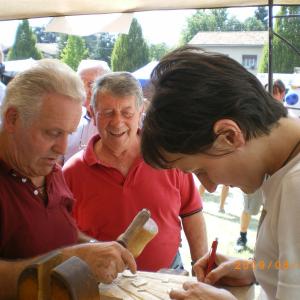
(212,256)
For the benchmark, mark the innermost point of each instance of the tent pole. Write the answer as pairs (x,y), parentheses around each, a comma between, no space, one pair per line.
(270,69)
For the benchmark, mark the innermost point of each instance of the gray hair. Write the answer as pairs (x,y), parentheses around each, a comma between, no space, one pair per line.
(118,84)
(27,90)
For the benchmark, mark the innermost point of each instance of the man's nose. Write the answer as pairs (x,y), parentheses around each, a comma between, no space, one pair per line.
(116,119)
(60,145)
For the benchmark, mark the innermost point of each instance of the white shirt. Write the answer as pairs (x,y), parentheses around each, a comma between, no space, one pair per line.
(2,91)
(79,139)
(277,252)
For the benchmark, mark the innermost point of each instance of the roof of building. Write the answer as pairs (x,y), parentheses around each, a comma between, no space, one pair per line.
(236,38)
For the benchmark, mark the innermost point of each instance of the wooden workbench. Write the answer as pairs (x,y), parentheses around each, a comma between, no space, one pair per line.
(155,286)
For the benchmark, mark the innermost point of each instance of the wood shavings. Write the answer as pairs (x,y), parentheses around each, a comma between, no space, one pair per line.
(128,274)
(139,282)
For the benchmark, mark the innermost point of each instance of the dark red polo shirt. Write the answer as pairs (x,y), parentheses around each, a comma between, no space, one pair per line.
(28,227)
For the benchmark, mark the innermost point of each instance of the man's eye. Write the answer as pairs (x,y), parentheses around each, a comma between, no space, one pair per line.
(127,114)
(54,133)
(108,113)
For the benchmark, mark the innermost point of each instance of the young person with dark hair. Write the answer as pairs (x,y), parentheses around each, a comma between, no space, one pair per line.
(211,117)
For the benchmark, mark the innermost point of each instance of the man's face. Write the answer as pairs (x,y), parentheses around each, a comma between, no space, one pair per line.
(117,119)
(231,170)
(88,77)
(39,144)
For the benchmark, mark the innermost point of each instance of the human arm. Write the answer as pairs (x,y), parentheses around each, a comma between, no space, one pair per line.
(195,230)
(200,290)
(106,260)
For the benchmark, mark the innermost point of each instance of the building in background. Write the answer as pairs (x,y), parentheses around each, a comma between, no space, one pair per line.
(246,47)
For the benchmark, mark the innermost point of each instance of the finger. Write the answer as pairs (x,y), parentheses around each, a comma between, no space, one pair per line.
(218,273)
(188,284)
(128,260)
(176,294)
(200,267)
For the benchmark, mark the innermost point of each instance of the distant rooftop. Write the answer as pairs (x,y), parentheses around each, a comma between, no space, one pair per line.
(232,38)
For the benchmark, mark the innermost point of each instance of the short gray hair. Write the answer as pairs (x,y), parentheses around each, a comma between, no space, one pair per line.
(118,84)
(27,90)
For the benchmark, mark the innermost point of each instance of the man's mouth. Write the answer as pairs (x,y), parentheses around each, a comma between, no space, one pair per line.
(117,134)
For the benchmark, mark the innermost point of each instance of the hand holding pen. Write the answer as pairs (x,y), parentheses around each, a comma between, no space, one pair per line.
(211,263)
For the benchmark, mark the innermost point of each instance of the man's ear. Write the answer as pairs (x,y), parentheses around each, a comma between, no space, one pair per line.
(11,117)
(229,136)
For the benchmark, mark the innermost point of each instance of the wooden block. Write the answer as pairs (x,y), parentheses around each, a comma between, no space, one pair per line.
(73,280)
(34,281)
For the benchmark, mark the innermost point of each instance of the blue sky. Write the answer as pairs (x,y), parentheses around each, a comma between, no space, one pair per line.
(158,26)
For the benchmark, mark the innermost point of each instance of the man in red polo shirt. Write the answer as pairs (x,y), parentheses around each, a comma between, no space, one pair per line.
(111,182)
(41,108)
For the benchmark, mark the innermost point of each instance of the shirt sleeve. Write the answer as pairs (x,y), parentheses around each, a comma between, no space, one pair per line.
(190,198)
(289,239)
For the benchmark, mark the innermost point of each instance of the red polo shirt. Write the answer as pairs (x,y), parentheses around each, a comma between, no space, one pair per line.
(106,202)
(27,227)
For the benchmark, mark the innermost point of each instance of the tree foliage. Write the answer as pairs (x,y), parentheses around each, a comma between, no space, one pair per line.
(103,47)
(209,20)
(253,24)
(25,44)
(74,52)
(261,14)
(62,40)
(216,20)
(44,37)
(130,51)
(284,58)
(157,51)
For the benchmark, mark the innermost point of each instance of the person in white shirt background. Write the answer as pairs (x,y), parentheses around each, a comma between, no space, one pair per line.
(88,70)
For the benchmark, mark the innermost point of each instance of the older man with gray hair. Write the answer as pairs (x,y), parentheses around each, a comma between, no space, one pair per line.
(41,108)
(118,183)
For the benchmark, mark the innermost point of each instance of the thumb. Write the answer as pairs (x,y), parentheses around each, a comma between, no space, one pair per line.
(216,274)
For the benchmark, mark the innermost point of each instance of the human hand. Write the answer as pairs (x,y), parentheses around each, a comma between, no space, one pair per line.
(106,259)
(228,271)
(198,291)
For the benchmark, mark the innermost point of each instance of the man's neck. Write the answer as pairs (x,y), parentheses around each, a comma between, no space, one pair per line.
(120,159)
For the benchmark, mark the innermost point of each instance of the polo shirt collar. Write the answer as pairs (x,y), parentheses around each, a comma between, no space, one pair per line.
(5,168)
(90,157)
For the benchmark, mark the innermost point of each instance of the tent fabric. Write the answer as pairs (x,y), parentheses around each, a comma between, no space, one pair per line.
(22,9)
(112,23)
(143,74)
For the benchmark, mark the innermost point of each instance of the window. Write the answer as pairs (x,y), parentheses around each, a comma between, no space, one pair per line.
(250,61)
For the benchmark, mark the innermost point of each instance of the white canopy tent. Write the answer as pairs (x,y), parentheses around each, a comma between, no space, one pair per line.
(22,9)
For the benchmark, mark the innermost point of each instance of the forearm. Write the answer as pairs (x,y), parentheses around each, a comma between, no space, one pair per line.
(195,230)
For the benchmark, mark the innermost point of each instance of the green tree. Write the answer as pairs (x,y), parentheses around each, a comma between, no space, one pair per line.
(104,47)
(261,14)
(157,51)
(44,37)
(209,20)
(284,58)
(130,51)
(62,40)
(253,24)
(74,51)
(25,44)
